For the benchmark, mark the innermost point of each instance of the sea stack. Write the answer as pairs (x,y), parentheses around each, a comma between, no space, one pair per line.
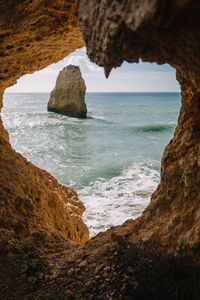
(68,96)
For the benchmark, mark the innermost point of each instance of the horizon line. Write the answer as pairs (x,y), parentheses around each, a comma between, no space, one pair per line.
(97,92)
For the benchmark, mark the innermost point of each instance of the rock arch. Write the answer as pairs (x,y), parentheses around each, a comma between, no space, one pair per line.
(37,214)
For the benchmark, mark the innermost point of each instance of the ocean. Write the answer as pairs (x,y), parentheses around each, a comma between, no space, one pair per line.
(112,159)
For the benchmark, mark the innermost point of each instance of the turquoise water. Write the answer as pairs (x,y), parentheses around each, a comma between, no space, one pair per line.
(112,159)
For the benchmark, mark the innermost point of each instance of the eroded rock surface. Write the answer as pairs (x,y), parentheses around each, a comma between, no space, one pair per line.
(34,34)
(35,209)
(35,224)
(157,31)
(68,96)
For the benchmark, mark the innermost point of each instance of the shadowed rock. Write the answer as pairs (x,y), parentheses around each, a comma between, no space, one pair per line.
(67,98)
(38,216)
(118,31)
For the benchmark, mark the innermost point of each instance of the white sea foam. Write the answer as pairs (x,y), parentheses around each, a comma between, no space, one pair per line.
(111,202)
(89,155)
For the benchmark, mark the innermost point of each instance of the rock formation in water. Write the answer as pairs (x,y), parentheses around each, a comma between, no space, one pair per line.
(40,220)
(68,96)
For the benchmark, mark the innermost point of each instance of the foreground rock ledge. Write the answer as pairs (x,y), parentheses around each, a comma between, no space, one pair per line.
(38,257)
(68,96)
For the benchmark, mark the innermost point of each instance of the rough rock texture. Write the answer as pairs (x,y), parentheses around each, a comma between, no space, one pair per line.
(35,224)
(34,204)
(68,96)
(35,209)
(162,32)
(34,34)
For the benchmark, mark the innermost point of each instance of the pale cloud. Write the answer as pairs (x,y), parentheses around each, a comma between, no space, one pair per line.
(78,58)
(85,65)
(40,81)
(47,71)
(142,77)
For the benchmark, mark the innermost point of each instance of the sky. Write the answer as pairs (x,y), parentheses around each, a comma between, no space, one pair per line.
(141,77)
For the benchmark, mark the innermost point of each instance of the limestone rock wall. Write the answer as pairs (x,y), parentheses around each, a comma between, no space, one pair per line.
(38,216)
(68,96)
(151,30)
(162,32)
(34,34)
(35,210)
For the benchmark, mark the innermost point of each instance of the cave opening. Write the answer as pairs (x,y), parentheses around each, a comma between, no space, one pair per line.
(41,226)
(112,159)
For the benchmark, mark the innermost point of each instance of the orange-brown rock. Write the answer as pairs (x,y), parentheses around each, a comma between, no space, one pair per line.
(38,216)
(68,96)
(35,208)
(157,31)
(34,34)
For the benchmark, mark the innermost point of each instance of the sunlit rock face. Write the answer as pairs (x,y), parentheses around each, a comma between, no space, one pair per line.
(35,211)
(68,96)
(157,31)
(40,216)
(35,34)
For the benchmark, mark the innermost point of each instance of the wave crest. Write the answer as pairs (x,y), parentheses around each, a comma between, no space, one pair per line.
(155,127)
(110,202)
